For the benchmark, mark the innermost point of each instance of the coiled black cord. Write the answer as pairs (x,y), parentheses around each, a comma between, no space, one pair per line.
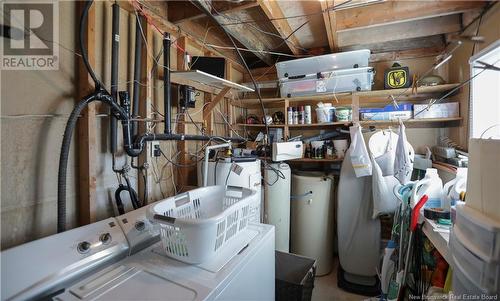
(132,193)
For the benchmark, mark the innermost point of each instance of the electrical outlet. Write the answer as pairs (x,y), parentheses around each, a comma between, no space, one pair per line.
(155,149)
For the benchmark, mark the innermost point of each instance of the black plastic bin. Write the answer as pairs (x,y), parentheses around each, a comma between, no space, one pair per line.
(294,277)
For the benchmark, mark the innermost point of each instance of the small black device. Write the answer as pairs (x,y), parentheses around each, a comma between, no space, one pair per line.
(212,65)
(397,77)
(188,97)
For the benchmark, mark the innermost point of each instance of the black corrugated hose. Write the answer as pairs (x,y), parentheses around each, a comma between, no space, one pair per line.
(63,161)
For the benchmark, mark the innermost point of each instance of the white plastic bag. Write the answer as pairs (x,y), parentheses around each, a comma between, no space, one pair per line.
(403,164)
(359,154)
(384,199)
(382,146)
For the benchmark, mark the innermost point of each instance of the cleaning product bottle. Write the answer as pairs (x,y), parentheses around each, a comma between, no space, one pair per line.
(432,186)
(452,189)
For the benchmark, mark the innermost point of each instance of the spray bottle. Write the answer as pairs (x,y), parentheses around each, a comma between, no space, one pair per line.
(453,189)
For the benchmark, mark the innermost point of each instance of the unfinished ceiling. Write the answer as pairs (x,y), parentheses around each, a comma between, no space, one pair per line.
(268,31)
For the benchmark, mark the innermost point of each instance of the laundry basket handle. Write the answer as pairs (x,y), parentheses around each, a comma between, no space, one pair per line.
(164,219)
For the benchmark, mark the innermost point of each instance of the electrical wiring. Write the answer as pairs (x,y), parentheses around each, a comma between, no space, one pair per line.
(432,102)
(394,100)
(201,41)
(260,51)
(260,30)
(333,8)
(209,14)
(229,125)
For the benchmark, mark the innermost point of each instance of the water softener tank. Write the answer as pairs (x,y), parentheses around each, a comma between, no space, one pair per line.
(277,202)
(312,228)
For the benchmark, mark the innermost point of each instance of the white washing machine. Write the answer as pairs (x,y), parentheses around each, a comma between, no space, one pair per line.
(121,259)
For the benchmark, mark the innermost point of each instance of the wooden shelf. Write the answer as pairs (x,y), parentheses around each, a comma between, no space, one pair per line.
(319,125)
(310,160)
(258,125)
(376,96)
(439,237)
(428,122)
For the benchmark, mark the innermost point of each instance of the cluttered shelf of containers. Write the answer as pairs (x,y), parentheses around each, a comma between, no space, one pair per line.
(338,88)
(331,92)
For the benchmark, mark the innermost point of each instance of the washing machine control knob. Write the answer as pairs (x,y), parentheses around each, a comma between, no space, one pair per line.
(140,225)
(105,238)
(83,247)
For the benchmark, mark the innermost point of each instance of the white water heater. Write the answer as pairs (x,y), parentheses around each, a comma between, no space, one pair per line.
(312,219)
(277,186)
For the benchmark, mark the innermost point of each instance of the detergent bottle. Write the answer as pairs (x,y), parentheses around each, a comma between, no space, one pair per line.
(432,186)
(452,189)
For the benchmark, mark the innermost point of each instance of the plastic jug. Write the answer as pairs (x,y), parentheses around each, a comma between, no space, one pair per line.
(432,186)
(452,189)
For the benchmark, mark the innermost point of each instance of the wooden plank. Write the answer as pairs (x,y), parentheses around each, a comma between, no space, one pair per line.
(406,54)
(328,26)
(399,11)
(345,98)
(248,38)
(181,11)
(332,14)
(87,133)
(261,74)
(207,121)
(145,97)
(208,109)
(273,11)
(400,31)
(355,107)
(400,45)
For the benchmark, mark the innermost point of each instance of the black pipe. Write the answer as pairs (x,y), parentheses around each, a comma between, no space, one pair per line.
(115,44)
(167,97)
(137,74)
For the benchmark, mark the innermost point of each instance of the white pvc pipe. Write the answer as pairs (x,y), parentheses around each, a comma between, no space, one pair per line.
(205,162)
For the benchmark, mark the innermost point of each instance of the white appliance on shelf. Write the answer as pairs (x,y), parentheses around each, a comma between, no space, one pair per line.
(282,151)
(120,258)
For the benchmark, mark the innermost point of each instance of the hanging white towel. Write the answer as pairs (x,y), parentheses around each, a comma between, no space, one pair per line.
(358,153)
(403,164)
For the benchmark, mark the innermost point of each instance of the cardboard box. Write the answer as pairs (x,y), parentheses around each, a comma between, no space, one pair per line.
(438,110)
(389,112)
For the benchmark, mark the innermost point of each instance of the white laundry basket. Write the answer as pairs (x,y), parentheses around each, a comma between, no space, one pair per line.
(196,225)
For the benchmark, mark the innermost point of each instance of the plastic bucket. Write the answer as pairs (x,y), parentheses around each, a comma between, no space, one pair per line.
(325,114)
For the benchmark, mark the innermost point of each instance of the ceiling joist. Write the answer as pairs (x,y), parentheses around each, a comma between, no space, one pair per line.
(273,11)
(329,25)
(401,31)
(400,11)
(181,11)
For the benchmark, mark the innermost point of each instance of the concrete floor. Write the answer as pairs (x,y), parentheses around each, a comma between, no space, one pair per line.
(325,288)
